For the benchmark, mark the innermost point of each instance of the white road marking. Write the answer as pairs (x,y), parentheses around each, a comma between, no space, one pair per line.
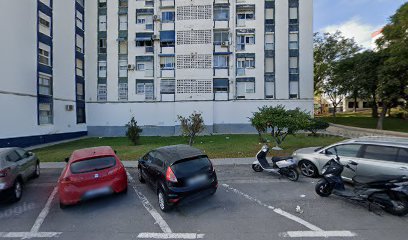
(167,232)
(325,234)
(170,235)
(315,230)
(34,233)
(43,214)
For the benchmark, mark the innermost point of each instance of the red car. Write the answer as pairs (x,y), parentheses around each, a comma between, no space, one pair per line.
(90,173)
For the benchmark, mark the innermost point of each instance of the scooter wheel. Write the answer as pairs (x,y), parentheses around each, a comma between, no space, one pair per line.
(398,207)
(292,175)
(257,168)
(323,188)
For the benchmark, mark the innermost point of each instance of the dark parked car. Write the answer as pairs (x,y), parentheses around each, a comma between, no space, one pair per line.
(177,173)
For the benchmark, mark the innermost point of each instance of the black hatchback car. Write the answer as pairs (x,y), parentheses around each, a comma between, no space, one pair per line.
(177,173)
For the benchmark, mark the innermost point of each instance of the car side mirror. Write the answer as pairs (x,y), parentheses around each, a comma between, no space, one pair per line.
(352,163)
(30,154)
(66,160)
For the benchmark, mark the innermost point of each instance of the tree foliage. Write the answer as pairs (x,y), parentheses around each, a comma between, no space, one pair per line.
(314,125)
(279,121)
(133,131)
(191,126)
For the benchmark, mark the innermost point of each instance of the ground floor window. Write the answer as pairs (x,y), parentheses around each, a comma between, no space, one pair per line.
(293,89)
(270,89)
(81,115)
(123,91)
(102,92)
(45,113)
(145,87)
(245,87)
(45,84)
(168,86)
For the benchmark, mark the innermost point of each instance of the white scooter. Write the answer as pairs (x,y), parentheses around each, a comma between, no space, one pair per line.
(282,166)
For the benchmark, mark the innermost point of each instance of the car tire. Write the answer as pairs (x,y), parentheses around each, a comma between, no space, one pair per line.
(308,169)
(213,191)
(37,170)
(17,190)
(141,179)
(162,200)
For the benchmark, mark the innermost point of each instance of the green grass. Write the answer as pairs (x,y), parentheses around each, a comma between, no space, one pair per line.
(216,146)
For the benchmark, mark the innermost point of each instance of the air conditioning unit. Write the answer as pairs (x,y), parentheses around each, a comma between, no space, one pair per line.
(131,67)
(156,18)
(69,108)
(155,37)
(225,44)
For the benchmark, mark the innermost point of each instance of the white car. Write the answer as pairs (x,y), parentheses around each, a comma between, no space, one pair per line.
(374,155)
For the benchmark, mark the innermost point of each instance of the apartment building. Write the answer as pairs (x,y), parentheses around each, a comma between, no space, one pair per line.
(78,67)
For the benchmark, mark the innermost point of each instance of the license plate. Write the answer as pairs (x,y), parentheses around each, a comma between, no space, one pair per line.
(197,180)
(98,192)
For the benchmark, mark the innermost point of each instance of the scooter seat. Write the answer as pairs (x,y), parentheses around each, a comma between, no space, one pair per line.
(278,159)
(379,179)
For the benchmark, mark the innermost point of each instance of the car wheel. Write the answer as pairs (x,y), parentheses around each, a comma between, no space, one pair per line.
(141,179)
(162,199)
(257,168)
(37,170)
(17,191)
(213,191)
(308,169)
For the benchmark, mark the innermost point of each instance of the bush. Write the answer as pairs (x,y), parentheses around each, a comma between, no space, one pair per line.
(133,131)
(191,126)
(316,125)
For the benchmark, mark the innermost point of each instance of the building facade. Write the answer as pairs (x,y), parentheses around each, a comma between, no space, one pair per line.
(87,66)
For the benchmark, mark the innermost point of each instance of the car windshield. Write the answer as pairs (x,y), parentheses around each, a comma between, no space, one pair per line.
(191,166)
(94,164)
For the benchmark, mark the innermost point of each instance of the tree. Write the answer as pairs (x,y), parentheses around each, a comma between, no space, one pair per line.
(133,131)
(192,126)
(314,125)
(328,50)
(279,121)
(394,72)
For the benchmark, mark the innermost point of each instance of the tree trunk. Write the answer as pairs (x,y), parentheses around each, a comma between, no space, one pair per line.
(334,110)
(190,141)
(355,103)
(380,123)
(374,108)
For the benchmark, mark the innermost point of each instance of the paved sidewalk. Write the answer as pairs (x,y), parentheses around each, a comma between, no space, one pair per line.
(354,132)
(133,164)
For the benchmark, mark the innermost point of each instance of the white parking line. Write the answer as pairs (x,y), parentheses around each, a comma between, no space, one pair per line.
(34,233)
(316,231)
(167,232)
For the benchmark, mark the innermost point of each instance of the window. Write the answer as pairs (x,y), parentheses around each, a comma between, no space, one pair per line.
(293,65)
(80,114)
(194,86)
(123,71)
(243,40)
(102,45)
(92,165)
(45,113)
(269,13)
(293,40)
(80,91)
(269,41)
(123,91)
(102,22)
(44,54)
(194,37)
(146,88)
(102,69)
(167,16)
(269,65)
(346,150)
(45,85)
(244,88)
(382,153)
(270,89)
(351,104)
(123,4)
(221,13)
(44,23)
(102,4)
(293,89)
(79,67)
(248,62)
(403,155)
(46,2)
(123,22)
(140,67)
(141,19)
(167,63)
(13,156)
(221,85)
(123,47)
(221,37)
(220,61)
(293,13)
(79,20)
(246,15)
(194,12)
(81,2)
(102,92)
(168,86)
(79,43)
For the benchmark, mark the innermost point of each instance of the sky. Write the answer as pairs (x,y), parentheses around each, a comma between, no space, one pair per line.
(354,18)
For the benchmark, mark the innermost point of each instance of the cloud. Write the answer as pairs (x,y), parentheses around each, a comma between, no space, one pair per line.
(354,28)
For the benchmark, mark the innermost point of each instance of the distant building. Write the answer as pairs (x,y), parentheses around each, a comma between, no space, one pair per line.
(374,37)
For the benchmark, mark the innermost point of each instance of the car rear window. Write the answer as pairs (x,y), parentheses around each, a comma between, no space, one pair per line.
(191,166)
(92,165)
(380,153)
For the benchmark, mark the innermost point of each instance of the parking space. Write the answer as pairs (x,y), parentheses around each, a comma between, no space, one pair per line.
(247,205)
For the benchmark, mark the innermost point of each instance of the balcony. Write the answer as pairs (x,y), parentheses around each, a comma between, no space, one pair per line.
(167,3)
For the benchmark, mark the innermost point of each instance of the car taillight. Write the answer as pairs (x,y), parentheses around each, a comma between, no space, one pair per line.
(170,175)
(4,172)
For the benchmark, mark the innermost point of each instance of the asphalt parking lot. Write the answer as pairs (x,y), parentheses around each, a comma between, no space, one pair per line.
(247,205)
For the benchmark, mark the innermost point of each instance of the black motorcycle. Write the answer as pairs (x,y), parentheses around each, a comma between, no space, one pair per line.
(388,192)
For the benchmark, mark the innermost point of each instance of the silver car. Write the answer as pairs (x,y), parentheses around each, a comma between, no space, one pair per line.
(16,167)
(374,155)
